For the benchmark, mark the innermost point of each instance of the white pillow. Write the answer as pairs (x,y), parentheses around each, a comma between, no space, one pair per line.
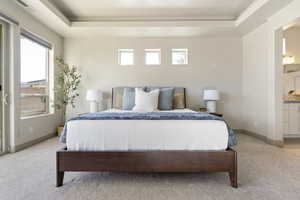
(145,101)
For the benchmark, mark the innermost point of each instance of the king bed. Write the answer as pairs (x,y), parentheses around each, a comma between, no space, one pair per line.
(178,141)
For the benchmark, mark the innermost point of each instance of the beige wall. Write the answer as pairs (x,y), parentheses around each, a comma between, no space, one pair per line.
(255,59)
(213,62)
(27,130)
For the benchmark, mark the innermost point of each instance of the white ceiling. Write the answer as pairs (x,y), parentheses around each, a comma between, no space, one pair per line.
(136,9)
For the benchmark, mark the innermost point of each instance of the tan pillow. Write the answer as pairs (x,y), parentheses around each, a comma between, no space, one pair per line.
(179,102)
(117,101)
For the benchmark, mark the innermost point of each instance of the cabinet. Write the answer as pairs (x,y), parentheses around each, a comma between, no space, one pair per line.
(291,120)
(291,82)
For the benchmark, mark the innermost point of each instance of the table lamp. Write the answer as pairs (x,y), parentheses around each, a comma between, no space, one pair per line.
(210,97)
(94,97)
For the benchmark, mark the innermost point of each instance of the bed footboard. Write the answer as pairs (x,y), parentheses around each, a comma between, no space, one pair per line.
(147,161)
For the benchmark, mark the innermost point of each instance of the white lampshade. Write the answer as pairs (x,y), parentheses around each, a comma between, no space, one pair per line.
(94,95)
(211,95)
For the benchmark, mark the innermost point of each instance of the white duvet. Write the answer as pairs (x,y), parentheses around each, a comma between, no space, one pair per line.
(124,135)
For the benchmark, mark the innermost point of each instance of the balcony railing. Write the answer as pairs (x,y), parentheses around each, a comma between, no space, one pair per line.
(34,104)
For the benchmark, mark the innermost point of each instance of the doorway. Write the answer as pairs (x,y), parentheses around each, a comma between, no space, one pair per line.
(4,88)
(291,85)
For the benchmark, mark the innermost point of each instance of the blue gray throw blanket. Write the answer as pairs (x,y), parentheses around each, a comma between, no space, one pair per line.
(151,116)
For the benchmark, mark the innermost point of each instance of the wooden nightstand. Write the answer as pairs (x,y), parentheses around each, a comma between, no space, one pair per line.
(79,114)
(217,114)
(202,110)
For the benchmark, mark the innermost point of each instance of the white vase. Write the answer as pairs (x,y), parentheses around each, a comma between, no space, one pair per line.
(211,106)
(93,107)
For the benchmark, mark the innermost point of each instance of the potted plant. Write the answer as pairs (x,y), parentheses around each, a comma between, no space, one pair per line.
(67,80)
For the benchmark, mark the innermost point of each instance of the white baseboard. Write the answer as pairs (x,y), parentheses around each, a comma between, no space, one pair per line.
(291,136)
(33,142)
(277,143)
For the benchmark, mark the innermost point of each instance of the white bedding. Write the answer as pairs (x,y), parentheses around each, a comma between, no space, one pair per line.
(124,135)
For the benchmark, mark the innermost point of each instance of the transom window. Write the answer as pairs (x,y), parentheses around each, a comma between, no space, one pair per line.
(34,77)
(179,56)
(125,57)
(152,57)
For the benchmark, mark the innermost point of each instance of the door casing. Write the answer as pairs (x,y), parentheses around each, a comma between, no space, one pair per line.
(4,79)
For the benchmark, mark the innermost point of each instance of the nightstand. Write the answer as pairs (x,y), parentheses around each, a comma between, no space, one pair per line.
(79,114)
(217,114)
(204,110)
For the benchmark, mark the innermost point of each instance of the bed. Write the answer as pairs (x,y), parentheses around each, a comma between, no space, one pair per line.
(158,142)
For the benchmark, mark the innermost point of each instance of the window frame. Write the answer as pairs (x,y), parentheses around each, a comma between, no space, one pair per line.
(44,97)
(120,50)
(158,50)
(186,50)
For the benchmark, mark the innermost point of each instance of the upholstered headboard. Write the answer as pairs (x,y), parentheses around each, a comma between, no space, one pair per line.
(179,101)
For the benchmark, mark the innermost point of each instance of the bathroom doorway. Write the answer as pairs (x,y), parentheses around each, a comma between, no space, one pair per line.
(291,82)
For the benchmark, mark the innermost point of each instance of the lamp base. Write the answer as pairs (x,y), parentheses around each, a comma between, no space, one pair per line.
(93,107)
(211,106)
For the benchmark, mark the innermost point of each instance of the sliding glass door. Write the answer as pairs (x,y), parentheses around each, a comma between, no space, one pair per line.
(1,77)
(4,75)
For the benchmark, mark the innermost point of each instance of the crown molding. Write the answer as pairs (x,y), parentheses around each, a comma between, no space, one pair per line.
(256,5)
(184,23)
(259,12)
(146,19)
(56,11)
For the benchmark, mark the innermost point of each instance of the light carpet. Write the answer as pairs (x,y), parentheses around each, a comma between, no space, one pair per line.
(265,172)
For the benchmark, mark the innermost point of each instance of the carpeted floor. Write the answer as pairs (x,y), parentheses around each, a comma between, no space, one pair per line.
(265,172)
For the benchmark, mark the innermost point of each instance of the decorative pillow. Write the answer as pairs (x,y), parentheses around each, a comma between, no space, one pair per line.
(165,99)
(179,100)
(118,101)
(146,101)
(128,98)
(117,98)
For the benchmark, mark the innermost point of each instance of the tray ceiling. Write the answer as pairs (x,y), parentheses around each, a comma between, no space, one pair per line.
(153,18)
(118,9)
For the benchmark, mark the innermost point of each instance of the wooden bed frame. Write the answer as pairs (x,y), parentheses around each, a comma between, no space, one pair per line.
(147,161)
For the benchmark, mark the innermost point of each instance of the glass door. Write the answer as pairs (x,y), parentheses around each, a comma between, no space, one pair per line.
(1,90)
(4,74)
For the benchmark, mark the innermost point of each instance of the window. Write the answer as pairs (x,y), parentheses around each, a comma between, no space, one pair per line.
(126,56)
(179,56)
(34,76)
(152,56)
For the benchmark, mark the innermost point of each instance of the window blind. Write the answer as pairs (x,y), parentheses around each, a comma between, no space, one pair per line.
(8,19)
(35,38)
